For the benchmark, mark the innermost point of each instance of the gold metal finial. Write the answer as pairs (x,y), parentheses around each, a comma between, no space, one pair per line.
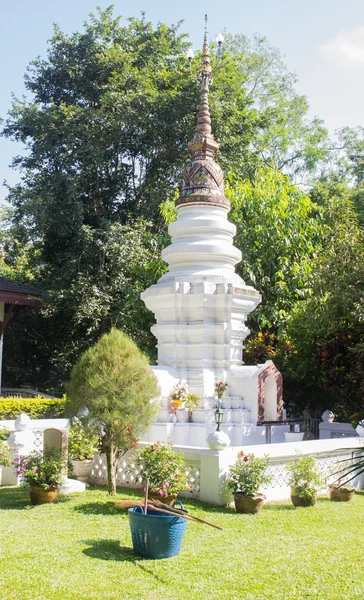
(203,181)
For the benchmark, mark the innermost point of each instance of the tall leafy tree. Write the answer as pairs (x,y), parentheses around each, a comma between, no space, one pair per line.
(106,127)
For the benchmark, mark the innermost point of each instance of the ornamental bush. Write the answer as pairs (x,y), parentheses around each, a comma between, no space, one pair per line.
(41,469)
(304,479)
(248,474)
(36,408)
(4,454)
(165,469)
(83,441)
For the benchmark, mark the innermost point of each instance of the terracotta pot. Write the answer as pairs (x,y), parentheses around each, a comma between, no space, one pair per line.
(170,500)
(39,495)
(82,469)
(299,501)
(341,494)
(250,505)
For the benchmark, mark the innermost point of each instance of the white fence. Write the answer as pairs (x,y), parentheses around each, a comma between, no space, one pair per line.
(208,469)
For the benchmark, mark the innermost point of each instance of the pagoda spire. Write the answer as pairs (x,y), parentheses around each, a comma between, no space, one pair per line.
(203,181)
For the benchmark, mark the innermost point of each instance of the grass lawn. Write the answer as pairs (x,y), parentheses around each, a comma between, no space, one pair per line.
(80,549)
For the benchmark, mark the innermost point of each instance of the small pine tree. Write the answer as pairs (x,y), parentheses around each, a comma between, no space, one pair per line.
(114,382)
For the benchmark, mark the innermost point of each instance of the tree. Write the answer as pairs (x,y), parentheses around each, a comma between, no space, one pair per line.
(106,125)
(277,233)
(116,385)
(98,286)
(326,328)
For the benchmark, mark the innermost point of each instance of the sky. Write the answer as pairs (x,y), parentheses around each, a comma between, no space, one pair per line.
(322,42)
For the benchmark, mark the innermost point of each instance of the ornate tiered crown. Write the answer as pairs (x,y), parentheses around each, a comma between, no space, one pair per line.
(203,180)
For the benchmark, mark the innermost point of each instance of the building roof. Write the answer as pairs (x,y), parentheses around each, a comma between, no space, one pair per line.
(21,294)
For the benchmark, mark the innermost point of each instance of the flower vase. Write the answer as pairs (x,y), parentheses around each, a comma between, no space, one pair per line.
(190,416)
(174,418)
(219,402)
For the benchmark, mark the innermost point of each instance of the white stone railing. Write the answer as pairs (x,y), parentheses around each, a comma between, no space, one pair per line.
(208,468)
(38,427)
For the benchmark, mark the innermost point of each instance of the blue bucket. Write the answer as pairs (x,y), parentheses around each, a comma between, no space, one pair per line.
(156,535)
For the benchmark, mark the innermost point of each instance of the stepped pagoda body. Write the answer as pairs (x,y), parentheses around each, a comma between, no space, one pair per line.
(201,305)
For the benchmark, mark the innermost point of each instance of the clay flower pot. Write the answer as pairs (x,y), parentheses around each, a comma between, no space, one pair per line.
(170,500)
(341,494)
(40,495)
(250,505)
(300,501)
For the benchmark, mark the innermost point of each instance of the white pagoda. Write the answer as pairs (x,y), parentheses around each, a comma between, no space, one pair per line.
(201,305)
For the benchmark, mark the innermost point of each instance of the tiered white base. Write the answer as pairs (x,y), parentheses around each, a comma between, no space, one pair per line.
(195,434)
(240,410)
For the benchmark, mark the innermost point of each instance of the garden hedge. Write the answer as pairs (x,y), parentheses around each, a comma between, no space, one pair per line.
(36,408)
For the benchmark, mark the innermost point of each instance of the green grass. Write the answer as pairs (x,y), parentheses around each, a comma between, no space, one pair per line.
(80,549)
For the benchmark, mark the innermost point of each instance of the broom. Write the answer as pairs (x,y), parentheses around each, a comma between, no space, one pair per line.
(164,508)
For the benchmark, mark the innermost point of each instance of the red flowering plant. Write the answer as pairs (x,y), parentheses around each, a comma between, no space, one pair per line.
(165,469)
(248,474)
(177,397)
(41,469)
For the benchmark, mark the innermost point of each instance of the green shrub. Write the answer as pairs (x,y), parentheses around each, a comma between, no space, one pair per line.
(4,455)
(83,442)
(304,477)
(4,434)
(36,408)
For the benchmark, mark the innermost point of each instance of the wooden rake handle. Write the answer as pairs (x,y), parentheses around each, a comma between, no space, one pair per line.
(179,512)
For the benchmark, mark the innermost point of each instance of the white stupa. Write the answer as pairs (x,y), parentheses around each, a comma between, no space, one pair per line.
(201,306)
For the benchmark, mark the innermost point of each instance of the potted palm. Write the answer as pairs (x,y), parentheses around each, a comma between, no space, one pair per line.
(83,442)
(43,473)
(192,402)
(165,471)
(245,478)
(304,480)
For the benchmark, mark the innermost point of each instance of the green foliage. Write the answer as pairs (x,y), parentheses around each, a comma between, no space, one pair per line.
(83,441)
(4,433)
(4,454)
(110,112)
(114,381)
(191,402)
(36,408)
(164,468)
(328,323)
(304,478)
(350,468)
(277,234)
(248,474)
(41,469)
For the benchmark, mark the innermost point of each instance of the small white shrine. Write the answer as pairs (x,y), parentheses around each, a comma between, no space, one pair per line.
(201,306)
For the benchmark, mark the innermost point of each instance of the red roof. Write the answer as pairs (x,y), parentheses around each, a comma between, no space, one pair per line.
(12,292)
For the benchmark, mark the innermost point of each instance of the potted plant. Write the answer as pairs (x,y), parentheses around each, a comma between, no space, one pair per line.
(192,401)
(245,478)
(165,471)
(83,442)
(341,493)
(304,480)
(43,473)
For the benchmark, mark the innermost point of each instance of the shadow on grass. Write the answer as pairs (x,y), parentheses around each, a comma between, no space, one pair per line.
(112,550)
(17,498)
(98,508)
(14,498)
